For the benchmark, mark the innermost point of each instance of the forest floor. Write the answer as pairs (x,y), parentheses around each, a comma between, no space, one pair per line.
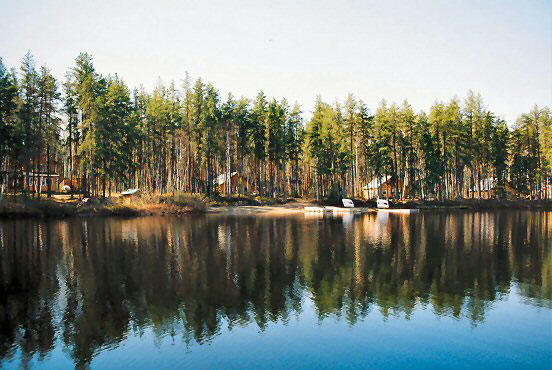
(61,205)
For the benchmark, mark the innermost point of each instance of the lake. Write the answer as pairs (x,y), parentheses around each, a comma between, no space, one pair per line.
(454,289)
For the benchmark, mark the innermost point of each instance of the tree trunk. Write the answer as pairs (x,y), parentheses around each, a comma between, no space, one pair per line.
(445,193)
(71,157)
(285,183)
(395,164)
(38,186)
(352,168)
(260,178)
(228,167)
(48,179)
(14,182)
(296,176)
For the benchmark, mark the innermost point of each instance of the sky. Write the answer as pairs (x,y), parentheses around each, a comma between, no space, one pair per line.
(422,51)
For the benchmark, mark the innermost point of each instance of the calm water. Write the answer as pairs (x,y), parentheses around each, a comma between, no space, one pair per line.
(447,290)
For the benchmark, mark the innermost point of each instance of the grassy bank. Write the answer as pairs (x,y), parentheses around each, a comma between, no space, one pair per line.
(141,205)
(116,206)
(243,200)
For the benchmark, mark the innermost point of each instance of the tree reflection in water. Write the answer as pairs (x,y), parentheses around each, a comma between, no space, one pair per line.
(87,284)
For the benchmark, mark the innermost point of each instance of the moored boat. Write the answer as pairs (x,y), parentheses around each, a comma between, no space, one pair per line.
(382,203)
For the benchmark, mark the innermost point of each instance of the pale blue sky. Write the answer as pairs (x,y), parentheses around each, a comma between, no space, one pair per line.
(419,50)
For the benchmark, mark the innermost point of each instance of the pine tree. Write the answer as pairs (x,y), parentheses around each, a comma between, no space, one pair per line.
(258,135)
(295,136)
(408,134)
(11,144)
(89,87)
(244,122)
(114,136)
(198,122)
(28,114)
(49,122)
(351,133)
(211,129)
(274,140)
(499,155)
(229,119)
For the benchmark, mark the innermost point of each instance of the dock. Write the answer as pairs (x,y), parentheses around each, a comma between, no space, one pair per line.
(406,211)
(340,210)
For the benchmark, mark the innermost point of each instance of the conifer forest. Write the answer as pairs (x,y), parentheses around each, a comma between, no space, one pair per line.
(181,136)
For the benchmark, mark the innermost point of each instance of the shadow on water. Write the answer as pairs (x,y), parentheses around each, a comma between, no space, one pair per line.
(88,284)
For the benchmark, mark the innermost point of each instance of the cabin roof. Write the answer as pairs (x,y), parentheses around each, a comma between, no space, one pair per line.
(376,182)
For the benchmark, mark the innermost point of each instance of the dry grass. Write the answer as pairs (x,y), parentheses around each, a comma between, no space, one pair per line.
(178,201)
(134,206)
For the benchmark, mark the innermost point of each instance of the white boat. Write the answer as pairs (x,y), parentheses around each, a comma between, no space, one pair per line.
(347,203)
(130,192)
(382,203)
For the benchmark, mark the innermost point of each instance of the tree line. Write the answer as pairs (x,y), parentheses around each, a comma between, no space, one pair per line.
(93,128)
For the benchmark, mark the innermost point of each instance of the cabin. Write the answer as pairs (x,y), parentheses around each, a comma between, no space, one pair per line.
(238,183)
(43,169)
(380,186)
(43,186)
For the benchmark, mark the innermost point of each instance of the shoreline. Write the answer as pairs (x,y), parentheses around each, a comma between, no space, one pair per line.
(48,208)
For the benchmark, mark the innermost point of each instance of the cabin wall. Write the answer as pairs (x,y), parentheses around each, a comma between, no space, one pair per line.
(386,190)
(34,186)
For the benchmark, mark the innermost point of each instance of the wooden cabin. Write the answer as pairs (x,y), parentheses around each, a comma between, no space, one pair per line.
(380,187)
(43,186)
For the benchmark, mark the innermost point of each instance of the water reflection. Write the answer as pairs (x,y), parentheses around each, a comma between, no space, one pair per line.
(88,284)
